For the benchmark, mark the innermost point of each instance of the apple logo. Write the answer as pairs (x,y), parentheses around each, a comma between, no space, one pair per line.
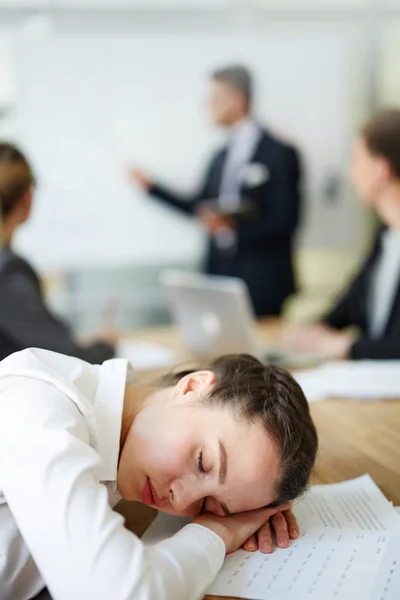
(211,324)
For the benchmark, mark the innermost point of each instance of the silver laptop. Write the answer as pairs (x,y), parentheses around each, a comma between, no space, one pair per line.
(215,316)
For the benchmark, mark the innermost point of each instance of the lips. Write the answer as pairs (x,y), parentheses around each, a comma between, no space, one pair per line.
(149,494)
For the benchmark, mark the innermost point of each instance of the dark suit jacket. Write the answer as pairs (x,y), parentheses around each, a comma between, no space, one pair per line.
(25,320)
(263,255)
(352,309)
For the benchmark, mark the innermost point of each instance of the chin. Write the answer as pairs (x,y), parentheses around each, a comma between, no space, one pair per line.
(127,493)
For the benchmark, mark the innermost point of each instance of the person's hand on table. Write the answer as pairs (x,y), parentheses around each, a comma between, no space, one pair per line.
(139,178)
(253,529)
(212,221)
(304,337)
(109,335)
(319,338)
(335,344)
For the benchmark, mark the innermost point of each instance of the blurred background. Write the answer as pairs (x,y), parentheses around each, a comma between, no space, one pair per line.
(89,87)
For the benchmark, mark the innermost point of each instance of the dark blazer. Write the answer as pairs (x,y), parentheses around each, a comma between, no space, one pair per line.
(352,309)
(25,320)
(7,346)
(263,253)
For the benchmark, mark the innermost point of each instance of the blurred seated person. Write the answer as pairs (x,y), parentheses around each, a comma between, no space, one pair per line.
(7,346)
(249,202)
(25,320)
(372,302)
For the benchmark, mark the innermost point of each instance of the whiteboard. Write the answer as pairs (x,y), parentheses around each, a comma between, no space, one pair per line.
(89,104)
(7,83)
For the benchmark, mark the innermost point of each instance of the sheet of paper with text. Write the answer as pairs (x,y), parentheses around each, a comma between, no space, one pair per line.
(349,548)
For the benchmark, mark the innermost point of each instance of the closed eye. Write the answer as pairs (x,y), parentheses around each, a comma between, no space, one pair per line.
(200,466)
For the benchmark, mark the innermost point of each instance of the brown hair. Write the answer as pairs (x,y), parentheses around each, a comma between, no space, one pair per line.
(16,177)
(256,391)
(382,136)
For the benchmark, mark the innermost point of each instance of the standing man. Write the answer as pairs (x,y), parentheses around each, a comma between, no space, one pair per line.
(249,203)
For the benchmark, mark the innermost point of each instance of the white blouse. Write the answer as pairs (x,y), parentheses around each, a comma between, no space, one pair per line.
(60,423)
(384,283)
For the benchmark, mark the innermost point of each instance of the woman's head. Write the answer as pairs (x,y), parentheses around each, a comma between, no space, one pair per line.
(16,181)
(376,157)
(233,437)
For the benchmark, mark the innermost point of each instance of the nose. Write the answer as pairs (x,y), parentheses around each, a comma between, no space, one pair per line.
(185,494)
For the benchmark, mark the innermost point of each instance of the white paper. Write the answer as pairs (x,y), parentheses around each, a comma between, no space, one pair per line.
(365,380)
(350,534)
(351,506)
(318,567)
(144,355)
(313,383)
(387,585)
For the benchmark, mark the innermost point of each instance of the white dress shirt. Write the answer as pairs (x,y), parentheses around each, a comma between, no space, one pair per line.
(60,424)
(384,283)
(242,146)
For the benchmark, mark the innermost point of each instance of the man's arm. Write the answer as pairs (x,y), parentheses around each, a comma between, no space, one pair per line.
(344,313)
(187,204)
(349,308)
(385,349)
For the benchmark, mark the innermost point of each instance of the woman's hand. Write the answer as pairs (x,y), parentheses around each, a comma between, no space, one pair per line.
(319,338)
(304,338)
(280,529)
(236,530)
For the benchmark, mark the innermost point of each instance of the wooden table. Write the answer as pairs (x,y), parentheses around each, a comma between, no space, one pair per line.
(355,437)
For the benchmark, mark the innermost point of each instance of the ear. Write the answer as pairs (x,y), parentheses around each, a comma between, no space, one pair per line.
(195,383)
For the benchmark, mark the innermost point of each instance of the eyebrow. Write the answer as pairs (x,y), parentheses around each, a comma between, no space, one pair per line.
(222,474)
(222,463)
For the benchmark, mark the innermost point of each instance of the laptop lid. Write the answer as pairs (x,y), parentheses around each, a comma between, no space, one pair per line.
(214,314)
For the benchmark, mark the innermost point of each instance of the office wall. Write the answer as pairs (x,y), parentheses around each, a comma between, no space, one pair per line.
(389,74)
